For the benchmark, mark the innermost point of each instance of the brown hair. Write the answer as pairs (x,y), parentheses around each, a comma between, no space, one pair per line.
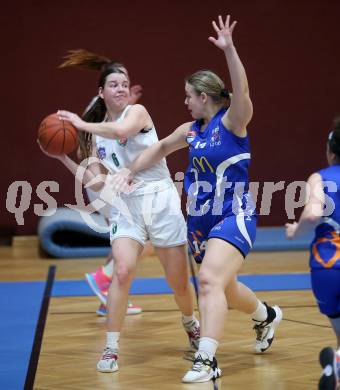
(96,110)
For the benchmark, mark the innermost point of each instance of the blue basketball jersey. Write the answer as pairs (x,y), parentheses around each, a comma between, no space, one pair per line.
(325,248)
(216,180)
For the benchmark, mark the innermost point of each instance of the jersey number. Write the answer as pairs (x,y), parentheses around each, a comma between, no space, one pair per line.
(115,159)
(199,248)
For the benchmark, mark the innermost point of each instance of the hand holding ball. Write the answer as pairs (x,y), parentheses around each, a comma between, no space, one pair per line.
(57,136)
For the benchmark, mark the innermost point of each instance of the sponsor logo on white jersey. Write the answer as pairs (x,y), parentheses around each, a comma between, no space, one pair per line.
(101,152)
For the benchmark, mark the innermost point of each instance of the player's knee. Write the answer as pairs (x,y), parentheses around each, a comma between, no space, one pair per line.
(124,274)
(206,282)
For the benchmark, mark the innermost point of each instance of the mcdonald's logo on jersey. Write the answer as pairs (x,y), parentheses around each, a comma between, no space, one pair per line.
(203,164)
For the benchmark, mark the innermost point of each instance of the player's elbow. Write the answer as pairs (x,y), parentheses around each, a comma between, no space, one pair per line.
(119,133)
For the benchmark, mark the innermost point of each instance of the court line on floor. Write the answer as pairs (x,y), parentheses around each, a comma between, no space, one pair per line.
(39,332)
(158,310)
(307,323)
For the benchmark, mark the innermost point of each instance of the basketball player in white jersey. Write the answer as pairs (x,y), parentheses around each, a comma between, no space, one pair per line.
(117,133)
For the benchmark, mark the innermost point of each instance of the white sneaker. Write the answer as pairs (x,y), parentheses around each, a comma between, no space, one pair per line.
(108,360)
(131,309)
(203,369)
(265,331)
(193,331)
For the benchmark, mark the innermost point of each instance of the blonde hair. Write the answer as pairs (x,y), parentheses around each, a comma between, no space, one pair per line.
(208,82)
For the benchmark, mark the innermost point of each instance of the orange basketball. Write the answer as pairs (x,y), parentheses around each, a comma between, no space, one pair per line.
(57,136)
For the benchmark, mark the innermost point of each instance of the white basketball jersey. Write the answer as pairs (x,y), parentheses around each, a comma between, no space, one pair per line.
(118,154)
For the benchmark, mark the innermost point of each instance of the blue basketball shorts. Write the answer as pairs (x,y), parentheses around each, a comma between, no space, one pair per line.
(326,289)
(237,230)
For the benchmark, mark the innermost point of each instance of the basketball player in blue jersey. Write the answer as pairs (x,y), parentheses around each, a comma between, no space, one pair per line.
(322,213)
(221,218)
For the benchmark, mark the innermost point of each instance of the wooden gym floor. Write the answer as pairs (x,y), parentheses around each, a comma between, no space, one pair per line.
(153,343)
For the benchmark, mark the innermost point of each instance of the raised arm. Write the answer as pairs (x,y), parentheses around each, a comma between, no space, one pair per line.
(312,211)
(136,119)
(241,108)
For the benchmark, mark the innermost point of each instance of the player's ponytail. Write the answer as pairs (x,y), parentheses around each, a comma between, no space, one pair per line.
(226,95)
(334,137)
(84,59)
(208,82)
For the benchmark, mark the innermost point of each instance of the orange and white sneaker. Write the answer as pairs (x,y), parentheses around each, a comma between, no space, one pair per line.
(131,309)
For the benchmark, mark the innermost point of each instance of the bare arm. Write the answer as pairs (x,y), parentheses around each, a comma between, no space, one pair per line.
(164,147)
(312,211)
(150,157)
(241,108)
(136,119)
(84,173)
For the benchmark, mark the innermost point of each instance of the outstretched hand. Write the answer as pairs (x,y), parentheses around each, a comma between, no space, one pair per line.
(224,33)
(71,117)
(135,93)
(291,230)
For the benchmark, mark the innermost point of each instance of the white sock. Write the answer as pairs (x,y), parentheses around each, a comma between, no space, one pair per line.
(112,340)
(260,314)
(209,346)
(108,269)
(188,319)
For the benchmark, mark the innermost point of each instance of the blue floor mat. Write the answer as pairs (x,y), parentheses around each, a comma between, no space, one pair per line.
(142,286)
(274,239)
(20,304)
